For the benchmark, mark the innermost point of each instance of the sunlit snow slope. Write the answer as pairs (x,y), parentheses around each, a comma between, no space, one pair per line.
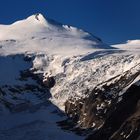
(130,44)
(36,34)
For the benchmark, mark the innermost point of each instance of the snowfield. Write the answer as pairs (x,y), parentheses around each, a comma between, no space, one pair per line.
(36,34)
(76,59)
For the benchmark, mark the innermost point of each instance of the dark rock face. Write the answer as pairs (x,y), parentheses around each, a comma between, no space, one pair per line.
(124,121)
(130,128)
(106,113)
(49,82)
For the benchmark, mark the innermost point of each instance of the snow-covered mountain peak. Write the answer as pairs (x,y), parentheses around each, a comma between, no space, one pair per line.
(133,42)
(37,34)
(32,20)
(39,18)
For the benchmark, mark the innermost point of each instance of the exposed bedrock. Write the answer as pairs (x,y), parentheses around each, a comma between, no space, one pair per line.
(111,111)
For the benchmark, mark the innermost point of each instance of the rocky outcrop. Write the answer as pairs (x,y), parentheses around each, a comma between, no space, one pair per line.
(130,128)
(49,82)
(124,121)
(111,111)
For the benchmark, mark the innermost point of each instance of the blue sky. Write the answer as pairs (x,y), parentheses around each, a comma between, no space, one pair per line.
(114,21)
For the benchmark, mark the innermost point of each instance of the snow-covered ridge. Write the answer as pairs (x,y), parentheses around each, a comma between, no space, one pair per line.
(37,34)
(133,42)
(130,44)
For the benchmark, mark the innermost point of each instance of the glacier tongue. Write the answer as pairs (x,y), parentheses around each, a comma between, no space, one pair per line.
(75,76)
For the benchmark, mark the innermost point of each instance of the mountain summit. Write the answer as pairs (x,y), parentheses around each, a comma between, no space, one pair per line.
(49,35)
(39,17)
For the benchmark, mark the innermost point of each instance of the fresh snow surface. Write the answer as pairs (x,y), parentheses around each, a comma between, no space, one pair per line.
(36,34)
(130,44)
(82,74)
(78,61)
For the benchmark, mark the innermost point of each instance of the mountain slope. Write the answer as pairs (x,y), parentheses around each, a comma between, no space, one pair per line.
(36,34)
(55,76)
(130,44)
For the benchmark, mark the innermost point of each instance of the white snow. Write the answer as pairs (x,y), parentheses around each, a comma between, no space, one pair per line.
(130,44)
(40,125)
(36,34)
